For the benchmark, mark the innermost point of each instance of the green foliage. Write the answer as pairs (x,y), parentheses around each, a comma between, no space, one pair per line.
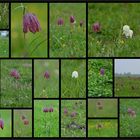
(4,46)
(112,17)
(99,85)
(5,115)
(46,88)
(69,124)
(129,126)
(29,44)
(67,40)
(127,86)
(108,129)
(46,124)
(21,130)
(4,15)
(109,108)
(16,92)
(73,87)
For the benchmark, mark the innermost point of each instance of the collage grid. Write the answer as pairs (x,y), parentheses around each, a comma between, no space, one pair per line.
(61,99)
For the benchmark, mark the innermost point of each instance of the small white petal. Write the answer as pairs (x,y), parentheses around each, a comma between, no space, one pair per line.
(130,33)
(74,74)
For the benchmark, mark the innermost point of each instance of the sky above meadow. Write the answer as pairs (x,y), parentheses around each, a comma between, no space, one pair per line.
(127,65)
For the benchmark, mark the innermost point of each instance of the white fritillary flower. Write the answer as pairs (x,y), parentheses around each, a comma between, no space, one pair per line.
(74,74)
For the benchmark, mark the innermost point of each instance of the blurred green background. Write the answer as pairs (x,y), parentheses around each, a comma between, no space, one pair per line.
(33,45)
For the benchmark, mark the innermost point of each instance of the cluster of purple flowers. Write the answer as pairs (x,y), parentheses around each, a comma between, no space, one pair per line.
(60,21)
(45,110)
(72,114)
(25,120)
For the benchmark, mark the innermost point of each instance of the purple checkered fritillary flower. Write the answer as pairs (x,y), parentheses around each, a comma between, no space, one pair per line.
(60,22)
(14,73)
(1,124)
(30,23)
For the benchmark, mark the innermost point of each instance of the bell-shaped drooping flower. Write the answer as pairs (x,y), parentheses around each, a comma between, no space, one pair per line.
(14,73)
(26,122)
(1,124)
(45,110)
(96,27)
(72,20)
(99,103)
(127,31)
(46,75)
(81,23)
(31,23)
(73,114)
(131,112)
(99,126)
(65,111)
(60,22)
(51,109)
(23,117)
(102,71)
(74,74)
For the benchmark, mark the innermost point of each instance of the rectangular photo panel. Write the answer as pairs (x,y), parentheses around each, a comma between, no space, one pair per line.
(16,83)
(29,30)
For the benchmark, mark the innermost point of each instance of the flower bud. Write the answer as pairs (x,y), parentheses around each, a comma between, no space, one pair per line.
(96,27)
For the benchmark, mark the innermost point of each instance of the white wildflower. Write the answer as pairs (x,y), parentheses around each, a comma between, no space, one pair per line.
(127,31)
(74,74)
